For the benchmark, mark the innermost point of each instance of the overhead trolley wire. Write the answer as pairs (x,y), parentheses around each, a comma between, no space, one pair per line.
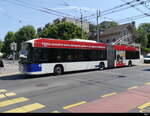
(131,5)
(34,8)
(135,7)
(117,8)
(132,18)
(44,8)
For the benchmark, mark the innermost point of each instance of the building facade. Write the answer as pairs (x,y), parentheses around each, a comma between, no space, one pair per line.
(85,25)
(125,32)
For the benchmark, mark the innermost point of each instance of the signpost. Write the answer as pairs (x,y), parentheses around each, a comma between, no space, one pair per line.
(13,47)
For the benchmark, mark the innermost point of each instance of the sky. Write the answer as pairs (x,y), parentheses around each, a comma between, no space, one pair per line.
(15,14)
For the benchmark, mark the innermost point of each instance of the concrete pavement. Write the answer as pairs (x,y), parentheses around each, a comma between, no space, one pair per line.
(10,68)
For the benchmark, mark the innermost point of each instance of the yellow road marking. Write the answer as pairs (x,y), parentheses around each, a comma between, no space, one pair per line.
(73,105)
(3,90)
(144,110)
(27,108)
(2,96)
(134,87)
(141,111)
(7,95)
(10,94)
(55,111)
(12,101)
(110,94)
(144,105)
(148,83)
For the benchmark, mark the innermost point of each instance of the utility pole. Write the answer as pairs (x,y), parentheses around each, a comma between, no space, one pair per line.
(97,18)
(81,26)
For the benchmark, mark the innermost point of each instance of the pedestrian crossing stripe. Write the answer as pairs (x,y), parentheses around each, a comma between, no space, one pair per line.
(13,101)
(10,94)
(3,90)
(7,95)
(2,96)
(25,109)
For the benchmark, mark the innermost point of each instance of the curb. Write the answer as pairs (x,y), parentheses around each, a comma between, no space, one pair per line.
(11,74)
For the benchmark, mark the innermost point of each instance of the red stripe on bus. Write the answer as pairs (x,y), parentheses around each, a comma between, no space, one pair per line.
(50,43)
(126,48)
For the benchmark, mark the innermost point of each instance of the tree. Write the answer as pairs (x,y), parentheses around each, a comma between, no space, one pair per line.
(9,38)
(24,34)
(144,35)
(107,25)
(63,30)
(92,27)
(1,45)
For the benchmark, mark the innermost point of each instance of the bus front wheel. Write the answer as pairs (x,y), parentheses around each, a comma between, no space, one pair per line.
(58,70)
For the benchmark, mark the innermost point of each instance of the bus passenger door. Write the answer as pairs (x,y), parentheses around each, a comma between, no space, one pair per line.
(120,58)
(110,56)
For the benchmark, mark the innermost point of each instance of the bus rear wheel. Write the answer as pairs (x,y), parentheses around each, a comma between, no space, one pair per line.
(130,64)
(101,66)
(58,70)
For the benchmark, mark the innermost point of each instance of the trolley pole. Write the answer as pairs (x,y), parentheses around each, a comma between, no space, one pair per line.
(97,18)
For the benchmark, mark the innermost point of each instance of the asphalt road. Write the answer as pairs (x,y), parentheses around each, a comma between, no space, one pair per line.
(112,90)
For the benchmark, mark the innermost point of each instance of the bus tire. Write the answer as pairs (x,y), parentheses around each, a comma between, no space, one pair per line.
(58,70)
(130,63)
(101,66)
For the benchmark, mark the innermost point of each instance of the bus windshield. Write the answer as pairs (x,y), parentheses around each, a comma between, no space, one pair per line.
(25,53)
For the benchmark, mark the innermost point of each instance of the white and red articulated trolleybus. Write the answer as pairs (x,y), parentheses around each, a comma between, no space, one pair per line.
(43,56)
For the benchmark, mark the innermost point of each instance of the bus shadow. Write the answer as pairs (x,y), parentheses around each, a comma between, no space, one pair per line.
(22,77)
(78,72)
(146,69)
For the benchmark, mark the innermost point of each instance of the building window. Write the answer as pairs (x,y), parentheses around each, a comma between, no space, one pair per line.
(114,40)
(107,41)
(124,32)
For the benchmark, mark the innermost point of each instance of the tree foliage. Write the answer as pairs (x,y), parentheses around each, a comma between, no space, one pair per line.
(24,34)
(63,30)
(1,45)
(108,25)
(103,25)
(92,27)
(9,38)
(144,35)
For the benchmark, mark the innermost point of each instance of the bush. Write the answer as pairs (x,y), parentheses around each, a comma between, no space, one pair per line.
(147,50)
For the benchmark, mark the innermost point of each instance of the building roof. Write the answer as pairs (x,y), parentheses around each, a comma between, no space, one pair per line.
(116,29)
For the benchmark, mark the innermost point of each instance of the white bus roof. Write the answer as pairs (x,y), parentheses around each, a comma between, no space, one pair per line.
(82,40)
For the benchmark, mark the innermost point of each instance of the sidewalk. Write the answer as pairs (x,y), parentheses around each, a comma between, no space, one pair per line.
(10,68)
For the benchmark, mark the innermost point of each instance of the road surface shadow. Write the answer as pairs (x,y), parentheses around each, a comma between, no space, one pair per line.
(146,69)
(23,77)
